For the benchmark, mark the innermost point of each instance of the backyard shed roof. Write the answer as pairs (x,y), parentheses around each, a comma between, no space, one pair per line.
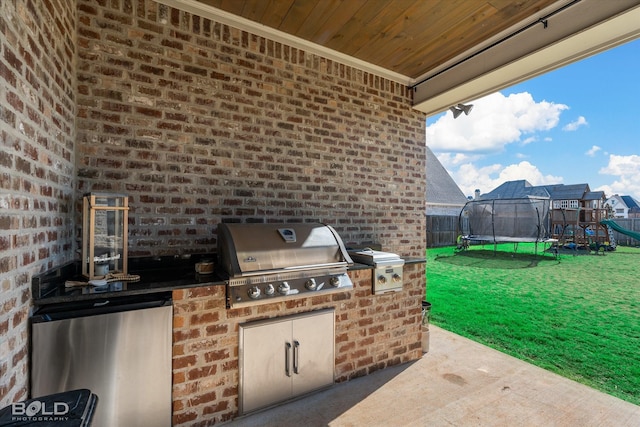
(568,192)
(594,195)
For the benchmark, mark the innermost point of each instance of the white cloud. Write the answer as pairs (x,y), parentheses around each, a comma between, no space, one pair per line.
(581,121)
(593,150)
(496,120)
(627,171)
(469,177)
(451,160)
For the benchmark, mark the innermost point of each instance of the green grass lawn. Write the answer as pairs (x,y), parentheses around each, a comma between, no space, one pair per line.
(578,316)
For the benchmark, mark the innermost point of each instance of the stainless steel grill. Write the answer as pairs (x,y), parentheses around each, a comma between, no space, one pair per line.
(271,262)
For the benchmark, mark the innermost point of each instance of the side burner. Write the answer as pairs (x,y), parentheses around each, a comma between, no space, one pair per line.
(387,273)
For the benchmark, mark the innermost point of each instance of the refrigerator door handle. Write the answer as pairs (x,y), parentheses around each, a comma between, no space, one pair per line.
(287,357)
(296,356)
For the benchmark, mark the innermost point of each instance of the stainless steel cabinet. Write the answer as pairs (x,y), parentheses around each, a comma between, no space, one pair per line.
(121,352)
(285,357)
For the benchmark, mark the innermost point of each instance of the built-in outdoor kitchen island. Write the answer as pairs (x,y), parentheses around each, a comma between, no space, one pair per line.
(368,331)
(199,123)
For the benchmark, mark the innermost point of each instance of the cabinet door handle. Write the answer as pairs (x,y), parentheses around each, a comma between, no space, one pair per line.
(296,356)
(287,352)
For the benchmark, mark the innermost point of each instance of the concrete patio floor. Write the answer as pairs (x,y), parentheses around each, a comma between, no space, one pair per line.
(457,383)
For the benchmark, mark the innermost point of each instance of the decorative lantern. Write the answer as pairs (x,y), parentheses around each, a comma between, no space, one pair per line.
(104,234)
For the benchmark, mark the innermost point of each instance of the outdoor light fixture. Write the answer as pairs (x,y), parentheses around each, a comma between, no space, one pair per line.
(459,109)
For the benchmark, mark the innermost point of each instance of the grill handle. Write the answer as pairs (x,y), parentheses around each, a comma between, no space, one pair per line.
(287,357)
(296,356)
(343,250)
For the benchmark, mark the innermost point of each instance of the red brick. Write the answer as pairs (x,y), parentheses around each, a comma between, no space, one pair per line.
(178,322)
(204,372)
(184,417)
(204,318)
(184,361)
(179,377)
(218,355)
(215,409)
(201,292)
(183,335)
(216,329)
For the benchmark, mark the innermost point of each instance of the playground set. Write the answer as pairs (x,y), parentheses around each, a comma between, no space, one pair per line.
(533,219)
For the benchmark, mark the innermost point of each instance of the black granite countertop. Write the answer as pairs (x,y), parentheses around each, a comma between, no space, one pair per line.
(157,275)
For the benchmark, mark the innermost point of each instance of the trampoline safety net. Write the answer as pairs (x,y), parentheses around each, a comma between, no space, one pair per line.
(506,220)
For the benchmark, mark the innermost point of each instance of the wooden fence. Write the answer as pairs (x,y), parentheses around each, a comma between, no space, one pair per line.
(441,230)
(632,224)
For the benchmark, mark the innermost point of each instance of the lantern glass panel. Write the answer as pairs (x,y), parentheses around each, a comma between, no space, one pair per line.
(104,234)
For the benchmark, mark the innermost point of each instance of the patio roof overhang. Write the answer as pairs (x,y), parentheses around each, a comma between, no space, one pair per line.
(447,51)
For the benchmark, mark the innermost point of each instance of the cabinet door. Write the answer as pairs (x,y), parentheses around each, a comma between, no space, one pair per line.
(314,359)
(264,371)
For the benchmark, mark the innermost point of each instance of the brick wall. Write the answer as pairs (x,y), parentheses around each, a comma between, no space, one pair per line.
(201,123)
(372,332)
(37,133)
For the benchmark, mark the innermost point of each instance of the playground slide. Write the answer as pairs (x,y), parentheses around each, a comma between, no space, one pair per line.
(611,223)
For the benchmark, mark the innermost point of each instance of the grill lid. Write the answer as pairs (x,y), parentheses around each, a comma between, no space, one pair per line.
(370,257)
(254,249)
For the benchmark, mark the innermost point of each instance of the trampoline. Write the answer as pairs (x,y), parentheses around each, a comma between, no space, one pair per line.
(514,221)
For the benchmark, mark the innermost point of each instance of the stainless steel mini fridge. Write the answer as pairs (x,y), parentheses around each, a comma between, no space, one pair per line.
(119,349)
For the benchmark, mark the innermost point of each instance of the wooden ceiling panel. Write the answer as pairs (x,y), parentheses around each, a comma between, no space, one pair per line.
(319,18)
(413,46)
(409,37)
(324,29)
(358,30)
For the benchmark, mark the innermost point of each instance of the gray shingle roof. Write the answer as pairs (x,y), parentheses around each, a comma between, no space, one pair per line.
(441,188)
(568,192)
(522,188)
(516,190)
(594,195)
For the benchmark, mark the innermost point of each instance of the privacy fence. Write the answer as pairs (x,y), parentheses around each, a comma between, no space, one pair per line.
(632,224)
(442,230)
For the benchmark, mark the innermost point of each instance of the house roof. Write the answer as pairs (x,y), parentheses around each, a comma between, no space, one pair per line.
(441,188)
(630,202)
(522,188)
(516,190)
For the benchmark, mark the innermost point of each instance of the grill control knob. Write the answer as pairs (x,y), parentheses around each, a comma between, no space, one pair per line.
(396,278)
(311,284)
(382,280)
(254,292)
(284,288)
(335,281)
(269,289)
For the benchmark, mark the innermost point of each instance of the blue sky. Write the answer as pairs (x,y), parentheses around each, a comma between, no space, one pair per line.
(577,124)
